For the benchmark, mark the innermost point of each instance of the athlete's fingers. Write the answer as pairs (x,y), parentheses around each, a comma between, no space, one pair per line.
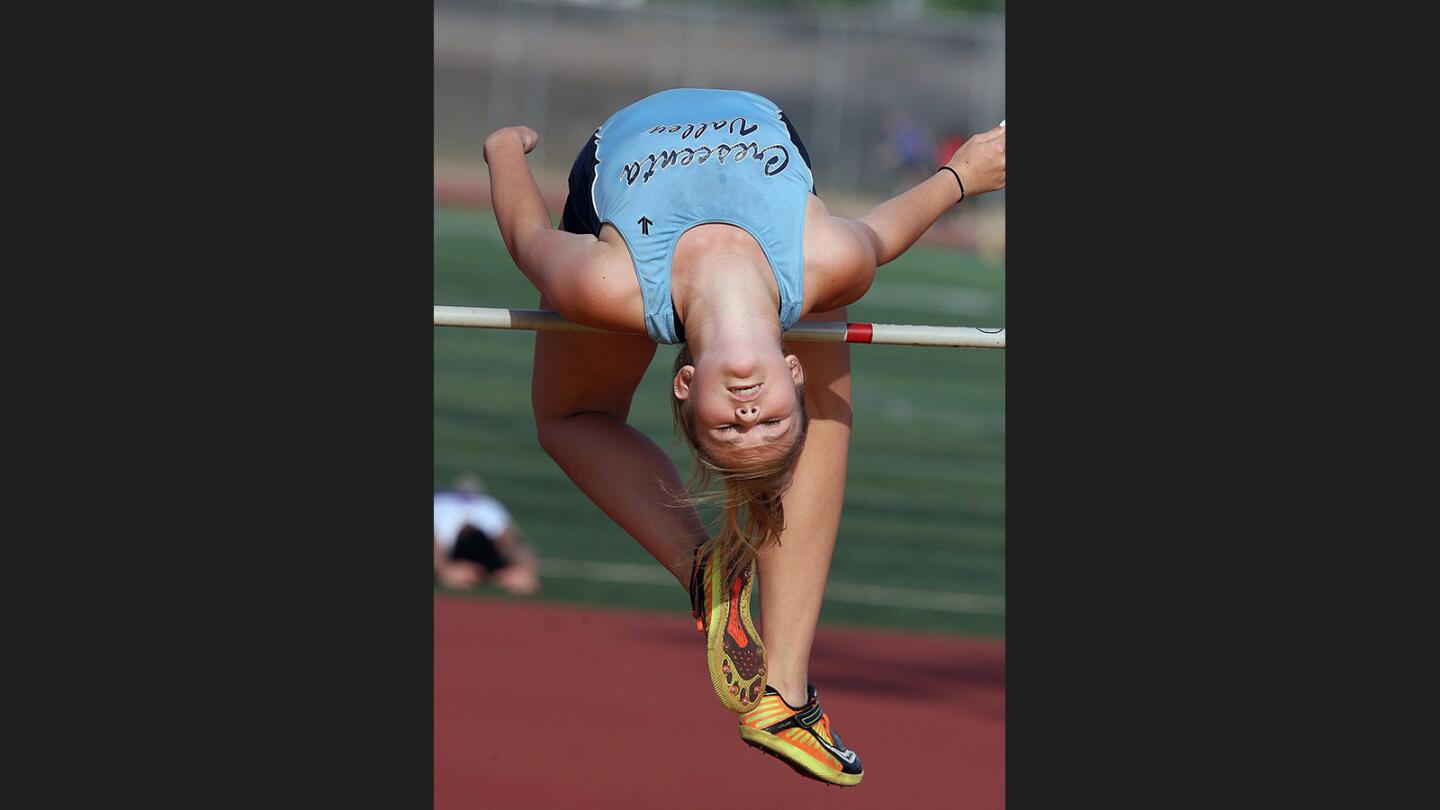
(528,138)
(990,134)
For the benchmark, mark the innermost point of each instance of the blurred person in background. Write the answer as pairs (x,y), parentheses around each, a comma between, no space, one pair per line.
(476,540)
(665,240)
(908,149)
(949,145)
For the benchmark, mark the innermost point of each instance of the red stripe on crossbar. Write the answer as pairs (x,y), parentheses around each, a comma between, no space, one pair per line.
(859,332)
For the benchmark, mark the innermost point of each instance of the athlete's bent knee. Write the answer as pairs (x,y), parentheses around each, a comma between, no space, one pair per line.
(549,430)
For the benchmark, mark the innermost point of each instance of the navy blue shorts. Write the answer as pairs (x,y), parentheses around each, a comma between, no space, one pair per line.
(477,547)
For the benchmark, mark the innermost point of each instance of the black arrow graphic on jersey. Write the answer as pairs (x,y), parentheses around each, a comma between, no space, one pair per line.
(644,223)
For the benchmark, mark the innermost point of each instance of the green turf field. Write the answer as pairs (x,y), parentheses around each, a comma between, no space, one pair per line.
(922,538)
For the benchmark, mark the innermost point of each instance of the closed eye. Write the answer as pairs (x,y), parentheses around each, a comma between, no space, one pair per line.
(735,428)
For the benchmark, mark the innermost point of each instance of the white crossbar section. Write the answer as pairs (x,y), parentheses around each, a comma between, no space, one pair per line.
(965,337)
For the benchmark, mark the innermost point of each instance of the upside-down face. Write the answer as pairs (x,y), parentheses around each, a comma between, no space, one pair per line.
(746,408)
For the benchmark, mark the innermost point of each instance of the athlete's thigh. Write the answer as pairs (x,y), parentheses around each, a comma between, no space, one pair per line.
(827,373)
(816,496)
(580,372)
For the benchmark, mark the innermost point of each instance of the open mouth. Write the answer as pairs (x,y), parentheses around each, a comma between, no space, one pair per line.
(747,392)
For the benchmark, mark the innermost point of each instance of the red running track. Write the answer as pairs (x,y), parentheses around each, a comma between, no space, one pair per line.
(541,705)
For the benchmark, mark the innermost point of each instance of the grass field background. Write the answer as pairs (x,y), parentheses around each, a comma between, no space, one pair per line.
(922,536)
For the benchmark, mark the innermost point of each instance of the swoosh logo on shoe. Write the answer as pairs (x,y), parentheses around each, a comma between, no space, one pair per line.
(847,756)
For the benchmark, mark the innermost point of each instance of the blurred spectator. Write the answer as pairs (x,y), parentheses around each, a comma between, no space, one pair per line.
(949,145)
(908,148)
(477,540)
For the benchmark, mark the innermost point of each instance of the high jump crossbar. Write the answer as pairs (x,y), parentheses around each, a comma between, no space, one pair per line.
(963,337)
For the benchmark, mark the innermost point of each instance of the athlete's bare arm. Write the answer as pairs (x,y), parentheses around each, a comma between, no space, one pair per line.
(897,223)
(841,254)
(586,280)
(839,260)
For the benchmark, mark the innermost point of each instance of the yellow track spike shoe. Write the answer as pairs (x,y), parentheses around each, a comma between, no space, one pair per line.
(801,738)
(733,649)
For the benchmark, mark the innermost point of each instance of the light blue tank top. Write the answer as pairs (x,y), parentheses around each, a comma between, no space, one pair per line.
(688,157)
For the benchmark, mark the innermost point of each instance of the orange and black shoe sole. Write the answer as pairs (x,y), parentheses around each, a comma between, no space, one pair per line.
(734,652)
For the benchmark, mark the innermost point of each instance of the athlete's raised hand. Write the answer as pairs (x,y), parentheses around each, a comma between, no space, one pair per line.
(980,162)
(525,136)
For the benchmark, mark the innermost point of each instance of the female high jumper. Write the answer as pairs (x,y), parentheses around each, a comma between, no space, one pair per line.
(692,219)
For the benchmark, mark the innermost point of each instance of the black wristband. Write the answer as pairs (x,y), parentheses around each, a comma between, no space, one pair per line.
(957,181)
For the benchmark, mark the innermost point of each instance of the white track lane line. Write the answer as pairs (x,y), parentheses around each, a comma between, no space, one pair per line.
(879,595)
